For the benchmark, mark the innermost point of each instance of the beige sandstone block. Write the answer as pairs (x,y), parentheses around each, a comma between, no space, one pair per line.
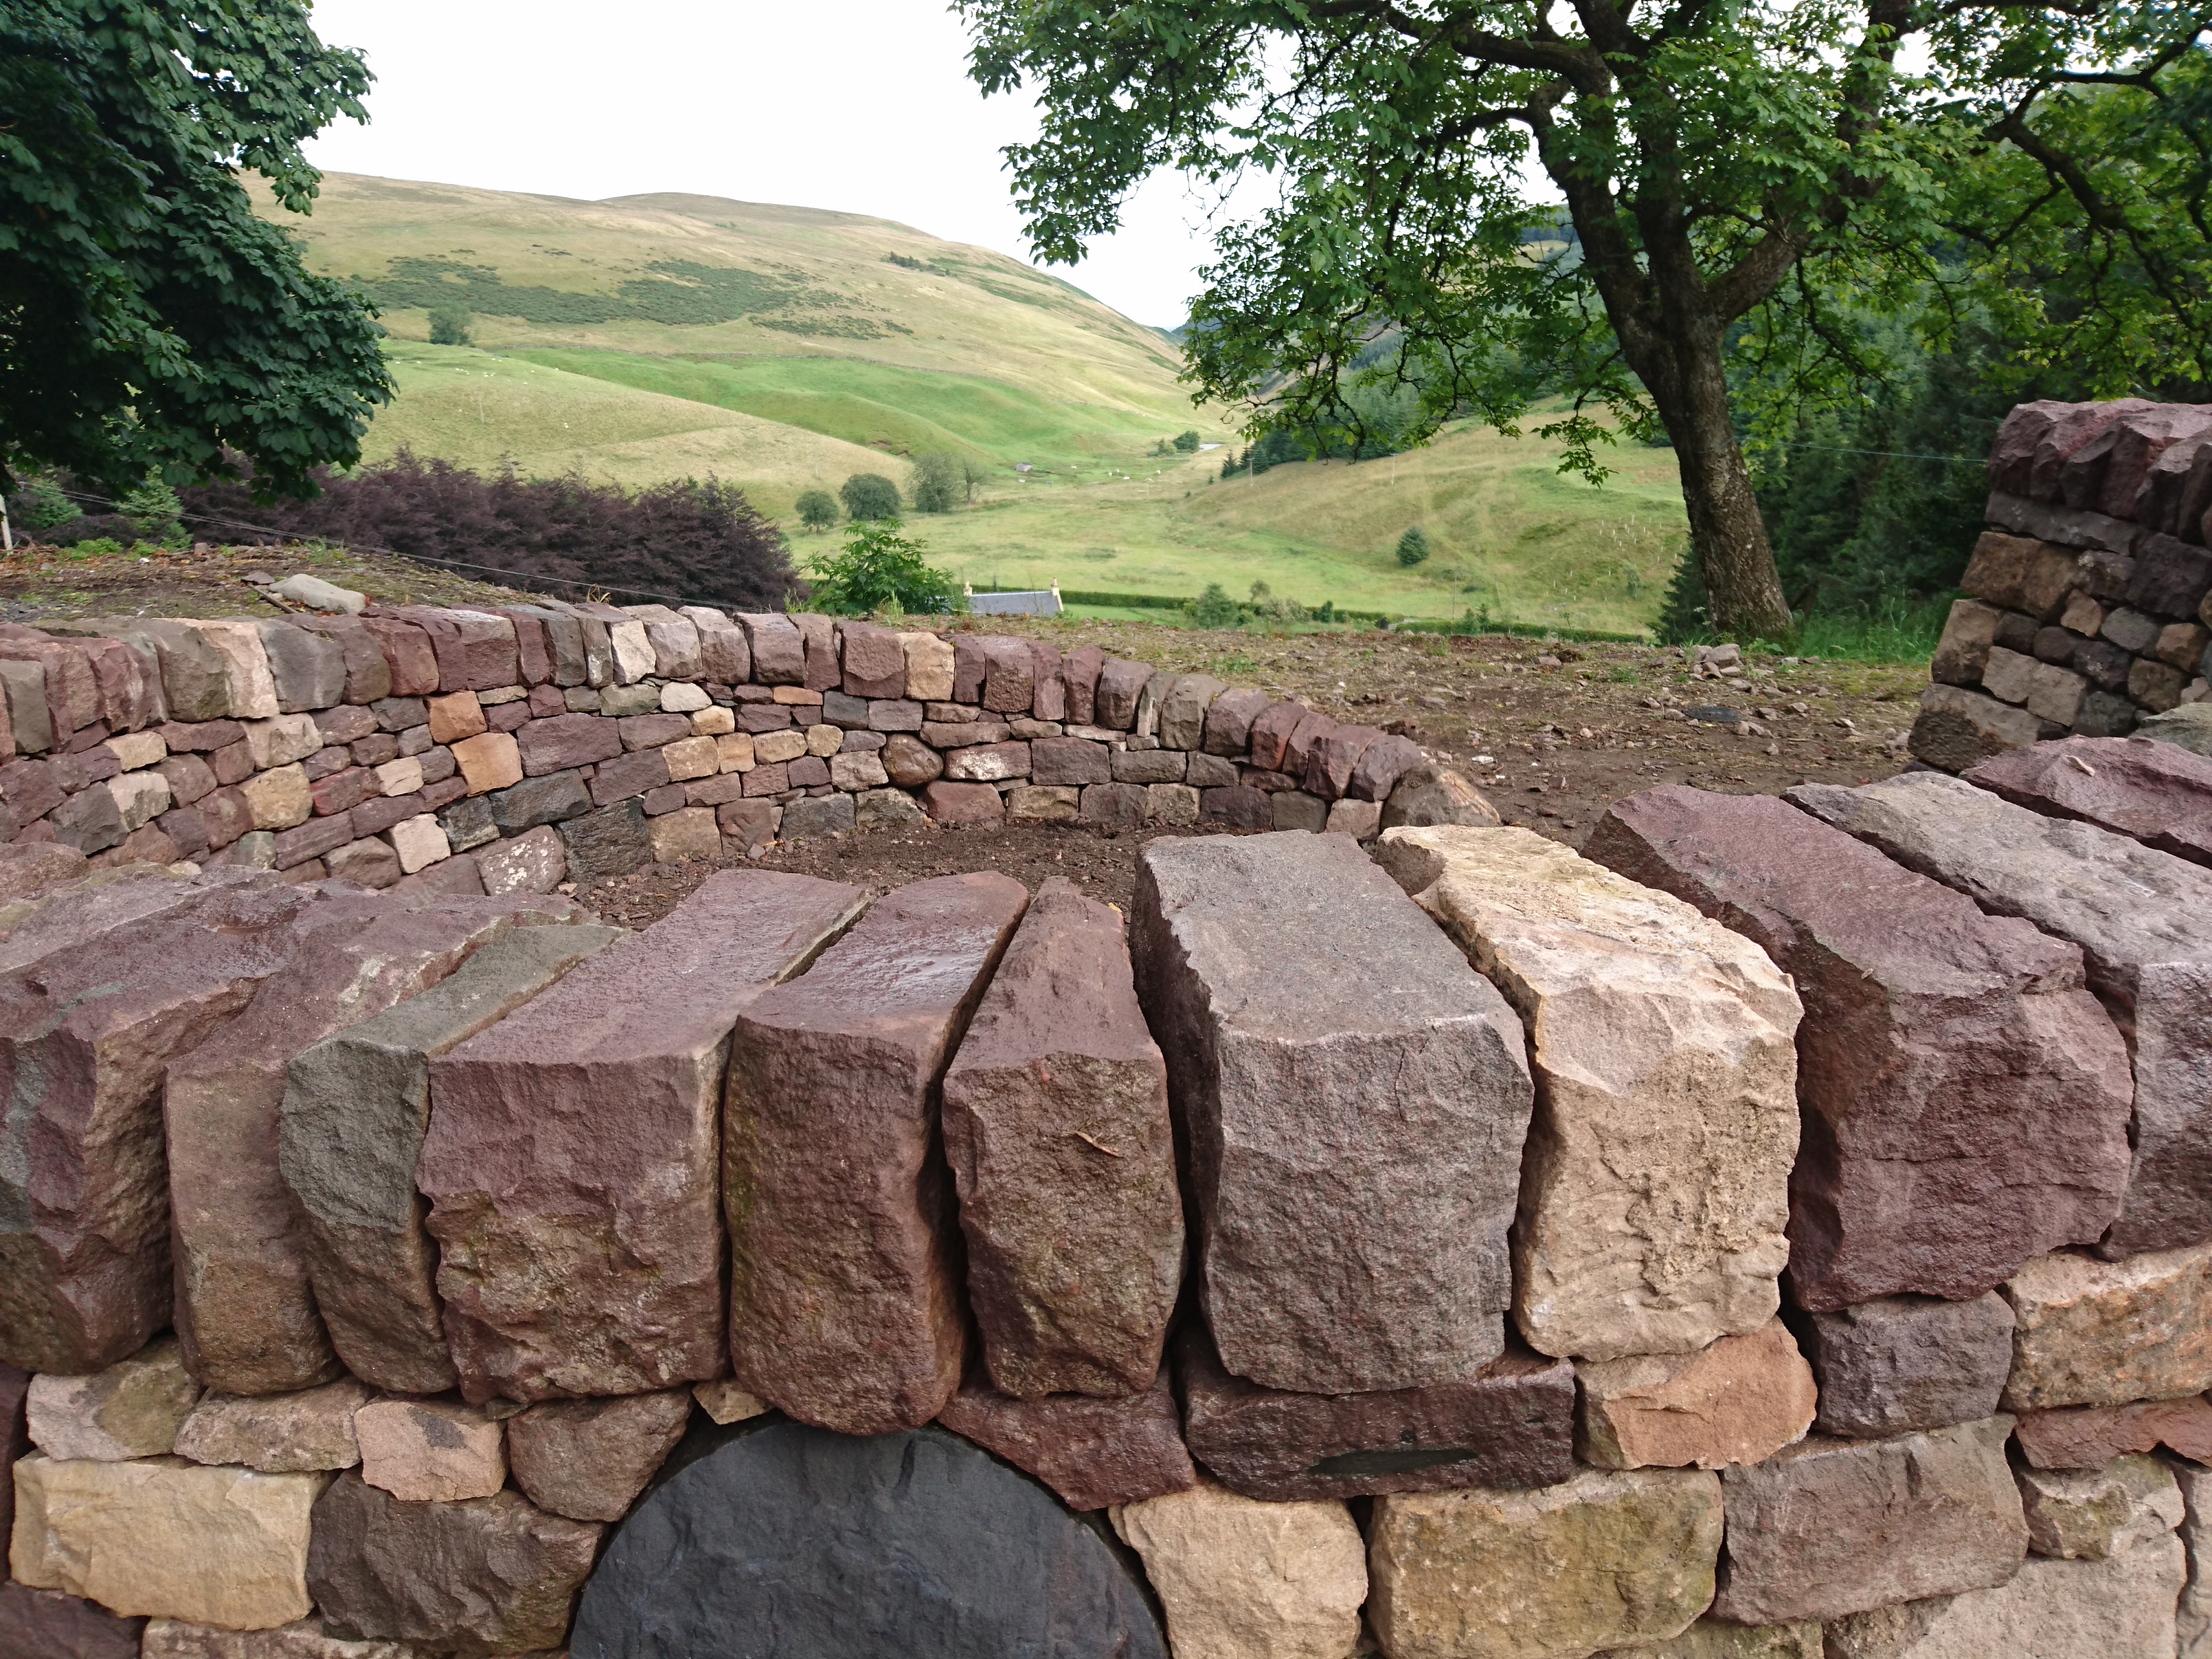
(2118,1608)
(773,748)
(132,1409)
(1601,1561)
(246,672)
(928,667)
(689,832)
(1241,1579)
(489,761)
(277,1433)
(634,658)
(860,771)
(725,1402)
(823,741)
(2105,1333)
(735,749)
(2087,1515)
(682,697)
(1655,1188)
(430,1451)
(140,796)
(456,715)
(171,1639)
(691,757)
(421,842)
(403,776)
(713,723)
(282,740)
(169,1539)
(136,749)
(1739,1401)
(278,799)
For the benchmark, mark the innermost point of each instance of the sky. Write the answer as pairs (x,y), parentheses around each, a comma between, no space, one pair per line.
(858,105)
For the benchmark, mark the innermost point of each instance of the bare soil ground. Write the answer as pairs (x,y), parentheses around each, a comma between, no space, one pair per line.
(1554,733)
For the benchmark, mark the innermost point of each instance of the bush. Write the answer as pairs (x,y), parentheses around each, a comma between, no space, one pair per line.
(1214,609)
(1188,442)
(701,543)
(39,503)
(818,510)
(449,325)
(879,568)
(940,483)
(870,495)
(1413,547)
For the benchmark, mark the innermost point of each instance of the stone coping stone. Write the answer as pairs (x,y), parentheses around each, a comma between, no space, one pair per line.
(2159,793)
(1510,1424)
(357,1107)
(1056,1129)
(534,1206)
(1963,1098)
(1663,1050)
(1331,1053)
(2136,914)
(915,1543)
(845,1303)
(1095,1453)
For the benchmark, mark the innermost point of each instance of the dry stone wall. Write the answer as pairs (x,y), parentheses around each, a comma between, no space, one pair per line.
(507,751)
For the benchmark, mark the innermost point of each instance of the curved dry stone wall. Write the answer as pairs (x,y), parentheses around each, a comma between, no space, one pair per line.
(2088,594)
(1785,1230)
(509,750)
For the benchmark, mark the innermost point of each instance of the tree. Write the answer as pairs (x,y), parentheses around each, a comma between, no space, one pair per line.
(1412,546)
(449,325)
(870,495)
(877,569)
(148,318)
(818,510)
(940,483)
(1188,442)
(1213,609)
(1735,177)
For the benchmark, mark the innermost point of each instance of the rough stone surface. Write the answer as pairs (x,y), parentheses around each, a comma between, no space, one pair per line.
(84,1271)
(1094,1453)
(355,1110)
(14,1438)
(1410,1093)
(277,1434)
(166,1538)
(1963,1098)
(2091,1515)
(915,1544)
(1902,1363)
(1957,728)
(589,1459)
(535,1207)
(1510,1424)
(1739,1401)
(2090,1436)
(725,1402)
(533,862)
(1835,1527)
(430,1451)
(1056,1129)
(2133,912)
(1428,795)
(1600,1561)
(1244,1580)
(131,1409)
(48,1625)
(845,1303)
(611,842)
(1654,1189)
(1716,1638)
(2121,1609)
(489,1576)
(171,1639)
(244,1309)
(2155,793)
(2193,1617)
(2108,1333)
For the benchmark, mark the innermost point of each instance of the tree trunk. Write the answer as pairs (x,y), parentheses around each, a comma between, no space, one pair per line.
(1728,537)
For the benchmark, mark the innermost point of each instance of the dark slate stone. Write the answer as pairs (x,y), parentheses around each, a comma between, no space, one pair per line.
(549,799)
(468,824)
(611,842)
(818,1546)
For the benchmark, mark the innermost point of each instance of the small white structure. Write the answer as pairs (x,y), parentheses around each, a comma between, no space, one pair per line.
(1035,604)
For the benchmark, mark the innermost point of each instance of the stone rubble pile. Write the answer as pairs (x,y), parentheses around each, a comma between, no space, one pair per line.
(2090,606)
(509,750)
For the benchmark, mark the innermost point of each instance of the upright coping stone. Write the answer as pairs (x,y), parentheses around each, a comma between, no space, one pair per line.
(1056,1128)
(355,1110)
(1665,1064)
(84,1035)
(1965,1101)
(245,1313)
(845,1303)
(571,1162)
(2138,915)
(1330,1054)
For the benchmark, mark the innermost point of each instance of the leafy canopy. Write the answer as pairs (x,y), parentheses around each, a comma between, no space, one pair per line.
(817,509)
(870,495)
(148,318)
(880,570)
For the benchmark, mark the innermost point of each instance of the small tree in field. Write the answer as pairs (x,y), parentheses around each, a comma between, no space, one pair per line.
(938,483)
(449,325)
(1413,547)
(870,495)
(879,568)
(818,510)
(1188,442)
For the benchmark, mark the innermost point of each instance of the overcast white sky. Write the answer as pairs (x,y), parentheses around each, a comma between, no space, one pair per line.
(861,106)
